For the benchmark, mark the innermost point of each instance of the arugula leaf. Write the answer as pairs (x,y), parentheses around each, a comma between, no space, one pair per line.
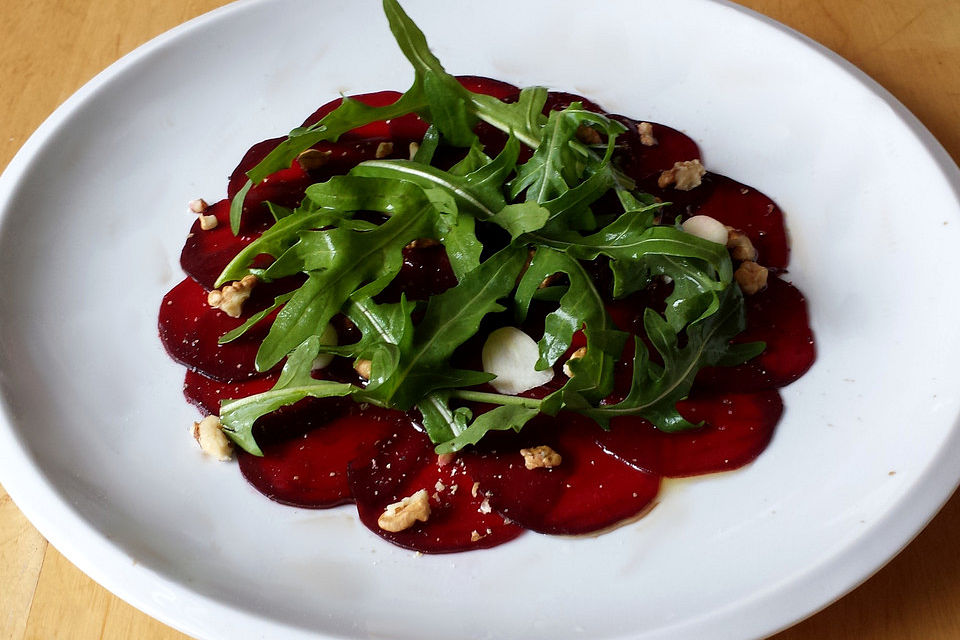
(479,192)
(295,384)
(581,307)
(350,258)
(499,419)
(655,389)
(442,423)
(450,319)
(248,324)
(347,261)
(521,218)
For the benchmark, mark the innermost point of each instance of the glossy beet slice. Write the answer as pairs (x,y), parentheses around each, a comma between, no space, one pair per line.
(206,253)
(778,316)
(403,464)
(206,393)
(641,162)
(306,449)
(189,330)
(749,210)
(425,272)
(557,100)
(489,86)
(588,491)
(738,428)
(410,125)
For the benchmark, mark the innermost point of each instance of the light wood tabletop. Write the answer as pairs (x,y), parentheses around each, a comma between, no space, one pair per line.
(52,47)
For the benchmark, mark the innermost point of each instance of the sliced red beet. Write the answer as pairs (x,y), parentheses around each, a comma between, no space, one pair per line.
(306,449)
(405,463)
(557,100)
(425,272)
(206,253)
(190,329)
(206,393)
(640,162)
(489,86)
(752,212)
(738,427)
(778,316)
(588,491)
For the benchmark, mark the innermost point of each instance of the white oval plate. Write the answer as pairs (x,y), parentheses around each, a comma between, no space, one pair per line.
(94,445)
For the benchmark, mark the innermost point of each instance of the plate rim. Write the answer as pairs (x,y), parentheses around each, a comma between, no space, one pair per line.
(38,499)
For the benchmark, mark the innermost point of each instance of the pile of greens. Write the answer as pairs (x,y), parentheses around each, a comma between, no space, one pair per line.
(547,205)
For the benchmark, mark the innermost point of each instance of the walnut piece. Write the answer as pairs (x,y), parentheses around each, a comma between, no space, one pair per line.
(542,456)
(209,434)
(740,246)
(231,297)
(576,355)
(588,135)
(421,243)
(199,205)
(402,515)
(313,159)
(383,150)
(413,148)
(684,175)
(645,129)
(363,367)
(208,222)
(751,277)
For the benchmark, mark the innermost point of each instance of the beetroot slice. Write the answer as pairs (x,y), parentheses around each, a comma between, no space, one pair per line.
(744,208)
(206,393)
(189,330)
(778,316)
(588,491)
(641,162)
(737,430)
(306,449)
(206,253)
(403,464)
(557,100)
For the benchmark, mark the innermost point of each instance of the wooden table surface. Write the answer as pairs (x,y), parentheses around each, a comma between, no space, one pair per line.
(52,47)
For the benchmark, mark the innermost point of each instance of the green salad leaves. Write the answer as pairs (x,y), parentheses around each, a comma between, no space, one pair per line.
(547,208)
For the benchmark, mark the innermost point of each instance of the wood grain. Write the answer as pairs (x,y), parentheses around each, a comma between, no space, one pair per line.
(52,47)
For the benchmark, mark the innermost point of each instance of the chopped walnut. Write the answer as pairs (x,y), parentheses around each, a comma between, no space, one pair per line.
(751,277)
(684,175)
(445,458)
(645,129)
(383,150)
(740,246)
(576,355)
(413,148)
(363,367)
(421,243)
(208,222)
(402,515)
(485,506)
(231,297)
(313,159)
(588,135)
(209,435)
(475,489)
(550,280)
(542,456)
(199,205)
(475,536)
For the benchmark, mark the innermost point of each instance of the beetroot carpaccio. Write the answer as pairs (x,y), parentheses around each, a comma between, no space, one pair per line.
(590,252)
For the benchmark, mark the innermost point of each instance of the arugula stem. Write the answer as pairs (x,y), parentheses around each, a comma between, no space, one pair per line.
(496,398)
